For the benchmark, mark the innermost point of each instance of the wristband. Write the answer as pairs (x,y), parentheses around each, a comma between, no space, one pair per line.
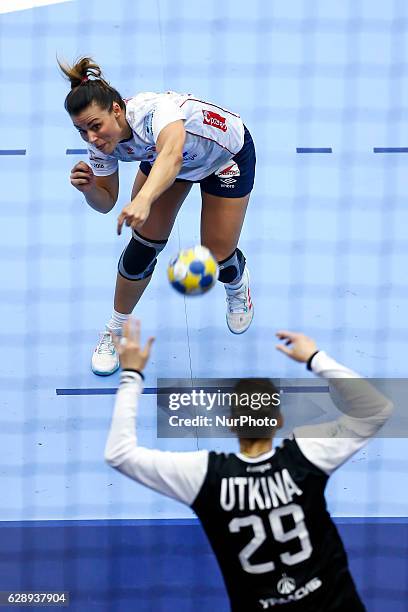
(309,361)
(133,370)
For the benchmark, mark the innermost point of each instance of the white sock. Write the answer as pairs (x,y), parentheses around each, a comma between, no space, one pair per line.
(116,321)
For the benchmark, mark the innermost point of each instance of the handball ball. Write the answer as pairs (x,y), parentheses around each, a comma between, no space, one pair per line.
(193,271)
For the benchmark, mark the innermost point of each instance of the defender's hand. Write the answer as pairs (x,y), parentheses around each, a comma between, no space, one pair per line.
(297,346)
(131,355)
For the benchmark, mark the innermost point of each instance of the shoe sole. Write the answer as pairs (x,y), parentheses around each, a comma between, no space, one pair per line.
(98,373)
(237,333)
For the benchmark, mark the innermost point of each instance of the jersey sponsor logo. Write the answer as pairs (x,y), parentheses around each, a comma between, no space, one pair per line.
(259,468)
(215,120)
(227,172)
(297,595)
(130,151)
(97,165)
(228,183)
(148,123)
(189,156)
(286,585)
(94,157)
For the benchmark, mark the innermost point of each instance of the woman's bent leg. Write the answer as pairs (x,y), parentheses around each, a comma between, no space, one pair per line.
(136,266)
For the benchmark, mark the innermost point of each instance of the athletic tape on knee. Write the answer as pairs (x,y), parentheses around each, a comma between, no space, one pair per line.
(139,258)
(232,268)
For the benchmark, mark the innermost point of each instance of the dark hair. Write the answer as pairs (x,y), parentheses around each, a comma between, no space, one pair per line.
(87,86)
(248,395)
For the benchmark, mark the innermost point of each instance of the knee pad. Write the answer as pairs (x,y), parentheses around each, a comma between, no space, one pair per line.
(232,268)
(139,258)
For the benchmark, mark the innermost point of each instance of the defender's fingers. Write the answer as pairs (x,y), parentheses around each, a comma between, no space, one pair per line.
(285,333)
(127,329)
(135,330)
(116,341)
(148,346)
(284,349)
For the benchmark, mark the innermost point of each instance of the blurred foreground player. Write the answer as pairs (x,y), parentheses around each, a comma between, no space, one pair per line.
(263,509)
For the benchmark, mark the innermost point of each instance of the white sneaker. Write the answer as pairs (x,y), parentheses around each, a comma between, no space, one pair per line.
(240,310)
(105,360)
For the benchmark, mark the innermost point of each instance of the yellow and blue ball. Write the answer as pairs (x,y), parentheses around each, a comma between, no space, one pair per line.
(193,271)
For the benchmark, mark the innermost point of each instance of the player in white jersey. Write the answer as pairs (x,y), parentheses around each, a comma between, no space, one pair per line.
(178,140)
(263,509)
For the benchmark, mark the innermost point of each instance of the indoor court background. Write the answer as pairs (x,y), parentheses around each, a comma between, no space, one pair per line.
(323,88)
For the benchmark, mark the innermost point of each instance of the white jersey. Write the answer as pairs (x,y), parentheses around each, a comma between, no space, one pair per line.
(213,134)
(181,474)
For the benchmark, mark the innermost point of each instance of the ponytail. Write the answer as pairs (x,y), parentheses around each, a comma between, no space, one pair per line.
(88,86)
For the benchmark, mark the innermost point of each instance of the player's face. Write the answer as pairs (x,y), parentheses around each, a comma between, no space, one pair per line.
(100,127)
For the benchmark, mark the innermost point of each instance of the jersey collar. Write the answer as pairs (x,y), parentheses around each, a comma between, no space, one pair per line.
(262,457)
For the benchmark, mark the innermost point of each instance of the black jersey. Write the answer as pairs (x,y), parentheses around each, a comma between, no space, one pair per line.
(270,530)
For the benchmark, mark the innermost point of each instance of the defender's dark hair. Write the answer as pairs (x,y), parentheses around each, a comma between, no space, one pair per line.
(87,86)
(251,390)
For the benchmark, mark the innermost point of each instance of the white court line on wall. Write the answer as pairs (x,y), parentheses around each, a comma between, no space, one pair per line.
(10,6)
